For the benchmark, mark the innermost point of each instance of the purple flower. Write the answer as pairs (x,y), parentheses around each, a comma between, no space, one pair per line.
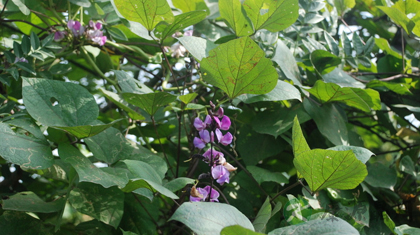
(201,194)
(224,139)
(200,125)
(204,138)
(224,124)
(216,154)
(96,36)
(58,35)
(188,33)
(76,28)
(95,26)
(220,112)
(21,59)
(220,174)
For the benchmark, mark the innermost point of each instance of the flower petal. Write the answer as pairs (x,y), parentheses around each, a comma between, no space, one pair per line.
(225,124)
(198,143)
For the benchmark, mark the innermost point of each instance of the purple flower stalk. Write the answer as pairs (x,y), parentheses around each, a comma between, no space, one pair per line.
(201,194)
(220,174)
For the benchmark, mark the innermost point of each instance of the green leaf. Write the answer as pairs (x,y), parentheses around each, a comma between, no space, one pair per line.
(407,166)
(86,131)
(82,3)
(287,62)
(30,202)
(384,45)
(399,17)
(150,102)
(165,29)
(331,43)
(90,173)
(264,214)
(103,204)
(262,175)
(329,121)
(178,183)
(330,169)
(148,184)
(191,5)
(237,229)
(361,153)
(76,106)
(26,45)
(12,222)
(405,229)
(282,91)
(121,103)
(198,47)
(210,217)
(26,151)
(239,67)
(357,44)
(330,225)
(35,43)
(341,78)
(346,44)
(234,14)
(129,84)
(381,176)
(399,88)
(299,143)
(22,7)
(147,12)
(26,67)
(343,5)
(271,14)
(116,33)
(368,47)
(27,124)
(324,61)
(278,120)
(388,221)
(188,97)
(363,99)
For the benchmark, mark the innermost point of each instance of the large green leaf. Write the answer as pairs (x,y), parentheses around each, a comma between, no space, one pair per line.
(237,229)
(198,47)
(278,120)
(28,124)
(361,153)
(191,5)
(234,14)
(299,143)
(75,105)
(14,222)
(399,88)
(282,91)
(86,131)
(121,103)
(26,151)
(263,175)
(341,78)
(264,214)
(381,176)
(329,121)
(90,173)
(399,13)
(164,29)
(103,204)
(330,225)
(273,15)
(330,169)
(238,67)
(147,12)
(287,62)
(178,183)
(149,102)
(30,202)
(363,99)
(209,217)
(130,85)
(324,61)
(135,184)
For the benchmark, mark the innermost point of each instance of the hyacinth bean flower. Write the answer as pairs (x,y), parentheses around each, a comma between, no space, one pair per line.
(21,59)
(200,125)
(95,26)
(220,174)
(224,139)
(96,36)
(204,138)
(201,194)
(216,155)
(58,35)
(76,28)
(224,124)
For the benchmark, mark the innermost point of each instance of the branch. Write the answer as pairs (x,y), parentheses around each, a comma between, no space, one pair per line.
(34,25)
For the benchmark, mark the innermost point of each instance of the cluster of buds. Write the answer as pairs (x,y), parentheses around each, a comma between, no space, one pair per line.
(92,32)
(213,124)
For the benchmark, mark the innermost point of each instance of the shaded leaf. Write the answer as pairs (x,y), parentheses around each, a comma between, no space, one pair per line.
(238,67)
(198,47)
(287,62)
(264,214)
(129,84)
(210,218)
(178,183)
(399,88)
(121,103)
(324,61)
(381,176)
(361,153)
(149,102)
(11,223)
(407,166)
(87,130)
(30,202)
(26,151)
(262,175)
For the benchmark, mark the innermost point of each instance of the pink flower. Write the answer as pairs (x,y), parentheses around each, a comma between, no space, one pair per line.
(204,138)
(95,26)
(201,194)
(76,28)
(58,35)
(220,174)
(200,125)
(96,36)
(224,139)
(224,124)
(208,154)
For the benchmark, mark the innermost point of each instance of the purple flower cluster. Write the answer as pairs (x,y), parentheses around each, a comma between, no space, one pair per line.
(213,124)
(201,194)
(92,32)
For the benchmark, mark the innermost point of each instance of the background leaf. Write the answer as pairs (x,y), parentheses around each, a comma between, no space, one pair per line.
(29,201)
(198,47)
(150,102)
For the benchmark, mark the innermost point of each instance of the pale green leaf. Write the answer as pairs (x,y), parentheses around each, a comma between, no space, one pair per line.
(299,143)
(272,15)
(341,78)
(129,84)
(188,97)
(147,12)
(164,29)
(198,47)
(239,67)
(191,5)
(361,153)
(343,5)
(209,217)
(178,183)
(234,14)
(237,229)
(287,62)
(264,214)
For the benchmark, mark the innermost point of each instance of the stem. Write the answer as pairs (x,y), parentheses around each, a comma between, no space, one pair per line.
(243,168)
(60,214)
(26,22)
(4,7)
(161,146)
(402,49)
(141,204)
(285,190)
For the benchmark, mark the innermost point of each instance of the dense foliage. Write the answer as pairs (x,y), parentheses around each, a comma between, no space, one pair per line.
(209,117)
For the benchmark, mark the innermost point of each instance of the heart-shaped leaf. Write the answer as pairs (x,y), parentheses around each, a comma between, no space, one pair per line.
(232,11)
(238,67)
(150,102)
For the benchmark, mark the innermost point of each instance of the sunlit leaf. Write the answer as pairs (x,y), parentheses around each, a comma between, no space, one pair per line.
(181,21)
(198,47)
(233,12)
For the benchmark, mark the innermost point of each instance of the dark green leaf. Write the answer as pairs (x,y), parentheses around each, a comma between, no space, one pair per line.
(150,102)
(26,45)
(262,175)
(264,214)
(358,44)
(381,176)
(17,49)
(26,67)
(13,222)
(407,166)
(116,33)
(147,12)
(399,88)
(29,125)
(271,14)
(30,202)
(367,49)
(346,44)
(210,217)
(86,131)
(103,204)
(331,43)
(35,41)
(234,14)
(324,61)
(239,67)
(129,84)
(178,183)
(26,151)
(180,22)
(121,103)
